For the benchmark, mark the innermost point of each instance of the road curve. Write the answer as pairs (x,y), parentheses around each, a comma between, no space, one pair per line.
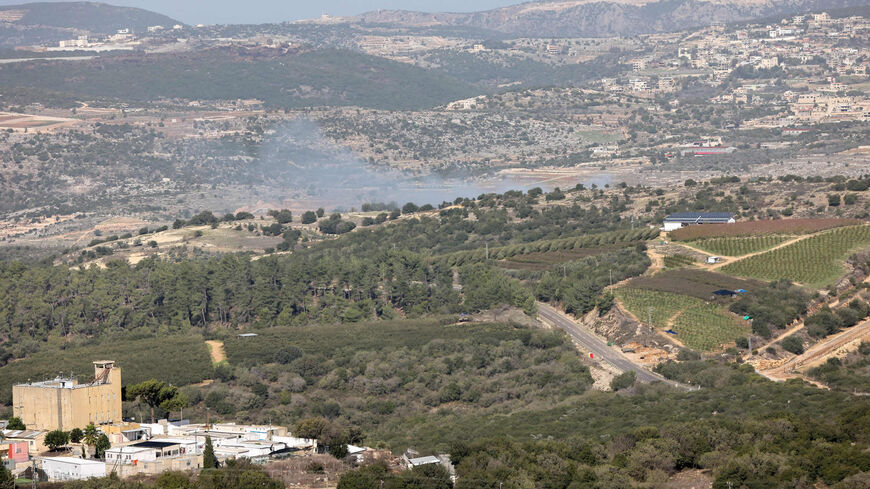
(598,347)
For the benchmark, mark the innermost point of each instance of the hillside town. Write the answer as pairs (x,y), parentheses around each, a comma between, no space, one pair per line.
(97,441)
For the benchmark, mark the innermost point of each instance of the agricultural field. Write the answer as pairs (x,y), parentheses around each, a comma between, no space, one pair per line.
(678,261)
(139,359)
(698,324)
(739,246)
(815,261)
(664,305)
(692,282)
(758,228)
(706,327)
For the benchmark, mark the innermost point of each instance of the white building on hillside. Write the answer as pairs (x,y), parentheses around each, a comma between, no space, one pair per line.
(72,468)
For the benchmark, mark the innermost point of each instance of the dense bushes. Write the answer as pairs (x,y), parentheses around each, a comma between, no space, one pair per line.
(578,286)
(772,307)
(389,372)
(849,374)
(485,287)
(792,344)
(827,322)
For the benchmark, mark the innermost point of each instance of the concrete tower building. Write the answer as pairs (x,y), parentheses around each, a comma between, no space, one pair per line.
(64,404)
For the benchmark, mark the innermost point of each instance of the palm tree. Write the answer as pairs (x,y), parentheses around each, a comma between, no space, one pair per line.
(91,435)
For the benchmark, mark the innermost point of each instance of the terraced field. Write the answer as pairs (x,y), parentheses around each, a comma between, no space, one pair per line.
(740,246)
(816,261)
(699,324)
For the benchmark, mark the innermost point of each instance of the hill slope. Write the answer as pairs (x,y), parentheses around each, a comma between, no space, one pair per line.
(91,16)
(313,78)
(591,18)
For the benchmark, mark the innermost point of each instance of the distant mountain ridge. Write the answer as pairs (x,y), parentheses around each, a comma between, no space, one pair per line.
(602,18)
(98,18)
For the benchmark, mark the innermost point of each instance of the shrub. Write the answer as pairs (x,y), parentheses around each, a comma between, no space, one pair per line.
(623,380)
(792,344)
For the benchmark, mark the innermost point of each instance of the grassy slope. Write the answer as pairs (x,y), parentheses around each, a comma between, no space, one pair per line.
(603,414)
(327,77)
(91,16)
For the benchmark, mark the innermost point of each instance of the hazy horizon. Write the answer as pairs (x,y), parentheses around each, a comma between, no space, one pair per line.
(266,11)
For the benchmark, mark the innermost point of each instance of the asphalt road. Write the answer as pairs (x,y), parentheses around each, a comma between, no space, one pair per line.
(589,341)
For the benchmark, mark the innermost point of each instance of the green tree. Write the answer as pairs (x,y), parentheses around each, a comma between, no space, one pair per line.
(7,480)
(177,403)
(75,436)
(283,216)
(313,428)
(309,217)
(209,461)
(152,392)
(238,474)
(623,380)
(792,344)
(15,423)
(56,439)
(101,446)
(173,480)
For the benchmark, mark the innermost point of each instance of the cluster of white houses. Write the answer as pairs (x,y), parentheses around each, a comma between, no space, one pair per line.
(162,447)
(137,448)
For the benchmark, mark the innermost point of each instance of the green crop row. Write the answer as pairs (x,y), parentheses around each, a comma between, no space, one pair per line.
(698,324)
(740,246)
(815,261)
(707,327)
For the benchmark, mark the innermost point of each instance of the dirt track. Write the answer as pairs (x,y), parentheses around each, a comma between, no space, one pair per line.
(216,350)
(819,352)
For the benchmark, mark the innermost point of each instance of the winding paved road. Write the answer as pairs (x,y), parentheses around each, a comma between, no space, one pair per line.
(598,347)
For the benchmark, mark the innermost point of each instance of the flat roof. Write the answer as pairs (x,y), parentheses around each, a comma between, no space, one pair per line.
(429,459)
(22,433)
(700,215)
(155,444)
(73,460)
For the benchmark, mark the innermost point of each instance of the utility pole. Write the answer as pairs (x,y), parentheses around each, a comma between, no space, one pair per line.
(611,277)
(34,476)
(649,311)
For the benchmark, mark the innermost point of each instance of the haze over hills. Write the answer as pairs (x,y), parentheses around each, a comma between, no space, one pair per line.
(95,17)
(592,18)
